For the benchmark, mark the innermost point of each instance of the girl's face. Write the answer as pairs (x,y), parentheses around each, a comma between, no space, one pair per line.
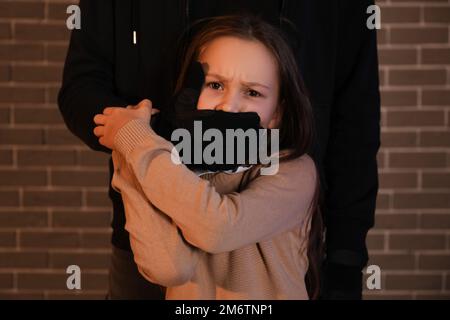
(241,76)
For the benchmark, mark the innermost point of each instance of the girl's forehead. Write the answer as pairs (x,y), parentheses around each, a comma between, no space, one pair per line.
(232,56)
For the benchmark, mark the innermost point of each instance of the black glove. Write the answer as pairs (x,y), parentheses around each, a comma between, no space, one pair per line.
(341,282)
(182,112)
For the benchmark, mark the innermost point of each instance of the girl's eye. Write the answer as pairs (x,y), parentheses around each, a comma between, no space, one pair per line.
(214,85)
(253,93)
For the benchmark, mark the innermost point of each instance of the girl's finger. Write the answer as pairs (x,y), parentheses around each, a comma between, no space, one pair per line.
(108,110)
(99,131)
(102,141)
(154,111)
(100,119)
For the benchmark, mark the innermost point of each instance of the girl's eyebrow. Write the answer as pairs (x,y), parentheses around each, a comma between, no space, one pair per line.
(248,84)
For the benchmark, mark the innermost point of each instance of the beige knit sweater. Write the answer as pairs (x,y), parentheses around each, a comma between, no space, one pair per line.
(219,236)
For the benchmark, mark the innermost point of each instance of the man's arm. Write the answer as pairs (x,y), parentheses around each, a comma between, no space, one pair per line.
(350,161)
(88,80)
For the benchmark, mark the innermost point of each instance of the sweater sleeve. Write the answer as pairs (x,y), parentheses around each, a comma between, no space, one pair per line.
(214,222)
(160,252)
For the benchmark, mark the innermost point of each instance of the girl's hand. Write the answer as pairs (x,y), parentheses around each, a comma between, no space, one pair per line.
(114,118)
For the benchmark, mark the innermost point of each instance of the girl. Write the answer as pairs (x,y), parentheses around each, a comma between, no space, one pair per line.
(225,236)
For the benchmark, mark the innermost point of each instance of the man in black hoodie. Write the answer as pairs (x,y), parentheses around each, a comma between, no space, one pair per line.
(123,53)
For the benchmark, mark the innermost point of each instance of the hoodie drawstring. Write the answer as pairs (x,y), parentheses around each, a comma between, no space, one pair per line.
(134,20)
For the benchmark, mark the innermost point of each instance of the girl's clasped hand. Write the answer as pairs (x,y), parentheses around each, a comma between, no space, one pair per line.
(114,118)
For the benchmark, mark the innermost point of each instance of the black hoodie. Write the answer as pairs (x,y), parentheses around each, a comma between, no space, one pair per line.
(126,51)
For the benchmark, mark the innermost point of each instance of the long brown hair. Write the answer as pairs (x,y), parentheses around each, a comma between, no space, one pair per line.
(296,130)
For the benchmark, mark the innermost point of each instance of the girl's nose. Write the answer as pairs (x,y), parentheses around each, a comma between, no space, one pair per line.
(230,103)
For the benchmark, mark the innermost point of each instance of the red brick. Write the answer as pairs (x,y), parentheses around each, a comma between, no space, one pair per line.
(396,221)
(401,14)
(78,295)
(41,31)
(394,180)
(6,157)
(92,158)
(18,94)
(46,157)
(5,73)
(79,178)
(49,239)
(23,177)
(94,281)
(57,281)
(58,11)
(52,93)
(81,219)
(398,98)
(54,198)
(382,76)
(42,281)
(436,180)
(399,159)
(431,97)
(58,136)
(435,261)
(5,30)
(20,219)
(375,241)
(21,136)
(447,282)
(435,221)
(37,115)
(9,198)
(383,201)
(422,200)
(36,73)
(13,9)
(412,241)
(435,55)
(4,115)
(22,295)
(97,240)
(23,259)
(419,35)
(436,14)
(98,198)
(6,281)
(83,260)
(382,36)
(418,77)
(380,159)
(398,139)
(434,138)
(7,239)
(383,295)
(56,52)
(413,282)
(393,261)
(21,52)
(432,296)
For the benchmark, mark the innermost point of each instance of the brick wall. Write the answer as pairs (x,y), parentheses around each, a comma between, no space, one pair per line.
(54,209)
(411,240)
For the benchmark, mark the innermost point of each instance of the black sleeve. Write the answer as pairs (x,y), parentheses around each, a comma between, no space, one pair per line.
(88,79)
(350,161)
